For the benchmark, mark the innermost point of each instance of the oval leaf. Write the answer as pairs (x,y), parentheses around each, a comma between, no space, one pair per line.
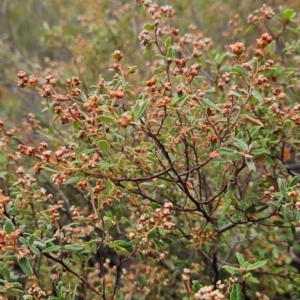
(159,70)
(256,265)
(25,266)
(8,226)
(226,151)
(258,96)
(142,109)
(236,292)
(73,247)
(148,49)
(54,248)
(104,145)
(107,119)
(211,104)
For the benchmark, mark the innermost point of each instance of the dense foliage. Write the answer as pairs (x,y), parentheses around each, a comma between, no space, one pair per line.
(168,176)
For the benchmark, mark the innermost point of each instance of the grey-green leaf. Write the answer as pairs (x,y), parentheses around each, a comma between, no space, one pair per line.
(211,104)
(25,266)
(8,226)
(142,109)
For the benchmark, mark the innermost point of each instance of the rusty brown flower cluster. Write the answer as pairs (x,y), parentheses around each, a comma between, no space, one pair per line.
(237,48)
(266,13)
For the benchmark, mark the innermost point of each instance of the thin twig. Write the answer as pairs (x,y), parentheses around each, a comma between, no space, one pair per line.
(81,278)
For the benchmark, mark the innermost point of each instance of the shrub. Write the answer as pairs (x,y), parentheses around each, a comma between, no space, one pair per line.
(174,187)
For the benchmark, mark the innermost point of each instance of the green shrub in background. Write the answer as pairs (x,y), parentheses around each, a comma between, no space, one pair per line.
(164,179)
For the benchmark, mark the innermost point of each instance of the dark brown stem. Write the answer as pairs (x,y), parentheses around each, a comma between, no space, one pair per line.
(81,278)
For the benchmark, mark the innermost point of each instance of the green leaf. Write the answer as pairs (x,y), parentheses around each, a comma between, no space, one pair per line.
(242,145)
(8,226)
(226,151)
(158,243)
(38,233)
(272,49)
(123,244)
(249,277)
(74,179)
(170,52)
(23,241)
(159,70)
(110,187)
(282,188)
(3,174)
(108,223)
(254,130)
(154,206)
(25,266)
(288,14)
(141,255)
(231,270)
(87,151)
(240,259)
(239,69)
(250,209)
(132,70)
(161,57)
(119,211)
(251,165)
(142,109)
(35,250)
(73,247)
(74,292)
(258,96)
(211,104)
(152,234)
(166,240)
(107,119)
(250,28)
(104,145)
(257,152)
(293,229)
(294,181)
(76,126)
(177,99)
(162,231)
(122,252)
(54,248)
(48,136)
(13,292)
(31,239)
(39,244)
(220,59)
(256,265)
(148,26)
(15,285)
(170,264)
(296,279)
(236,292)
(148,49)
(197,286)
(50,240)
(168,42)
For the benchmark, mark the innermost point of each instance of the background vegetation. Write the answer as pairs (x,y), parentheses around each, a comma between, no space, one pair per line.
(147,149)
